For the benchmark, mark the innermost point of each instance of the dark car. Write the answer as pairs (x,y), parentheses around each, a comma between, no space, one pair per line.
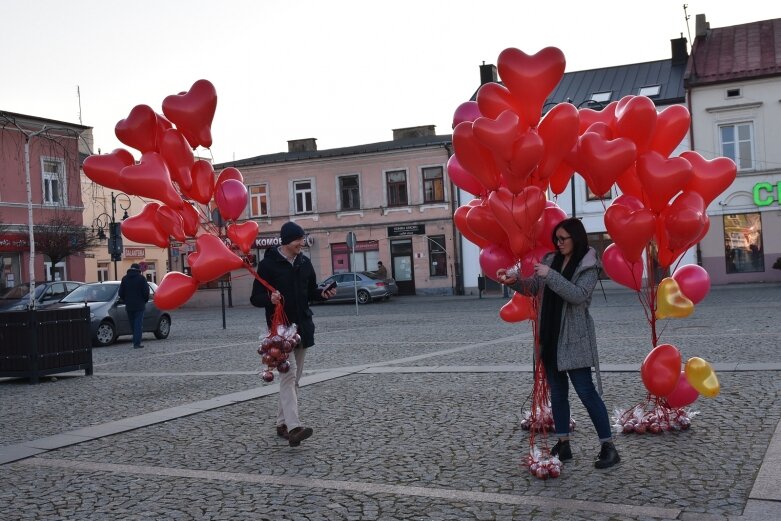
(370,287)
(108,318)
(47,293)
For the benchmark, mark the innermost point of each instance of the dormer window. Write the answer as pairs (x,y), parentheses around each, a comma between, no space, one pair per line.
(650,91)
(734,93)
(601,97)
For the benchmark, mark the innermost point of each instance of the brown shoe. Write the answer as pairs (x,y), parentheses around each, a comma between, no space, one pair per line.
(299,434)
(282,431)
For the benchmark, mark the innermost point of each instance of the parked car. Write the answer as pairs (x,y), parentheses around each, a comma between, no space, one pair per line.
(108,318)
(370,287)
(47,293)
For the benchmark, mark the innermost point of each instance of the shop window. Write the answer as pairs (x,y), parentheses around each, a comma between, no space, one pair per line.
(258,201)
(437,256)
(433,185)
(349,192)
(737,143)
(151,272)
(396,185)
(743,251)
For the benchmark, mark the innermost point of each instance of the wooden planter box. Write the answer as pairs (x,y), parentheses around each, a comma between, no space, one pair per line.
(42,342)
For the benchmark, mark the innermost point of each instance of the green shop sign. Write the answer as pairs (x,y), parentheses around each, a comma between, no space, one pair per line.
(763,194)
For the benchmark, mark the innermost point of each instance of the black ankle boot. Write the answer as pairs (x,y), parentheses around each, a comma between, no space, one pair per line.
(562,450)
(608,456)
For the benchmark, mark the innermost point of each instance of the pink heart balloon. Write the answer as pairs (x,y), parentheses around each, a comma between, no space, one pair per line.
(493,257)
(467,111)
(683,394)
(693,281)
(463,179)
(629,274)
(231,198)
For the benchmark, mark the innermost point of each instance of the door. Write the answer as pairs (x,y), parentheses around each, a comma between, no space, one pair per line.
(401,264)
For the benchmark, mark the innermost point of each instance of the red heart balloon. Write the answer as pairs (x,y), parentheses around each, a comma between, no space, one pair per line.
(531,79)
(532,258)
(709,178)
(202,174)
(661,369)
(459,218)
(630,201)
(682,221)
(629,183)
(588,117)
(662,178)
(229,173)
(493,99)
(494,257)
(231,198)
(498,134)
(467,111)
(190,219)
(683,394)
(178,156)
(139,129)
(518,309)
(463,179)
(482,222)
(193,111)
(665,255)
(526,155)
(212,259)
(636,120)
(601,161)
(631,230)
(519,216)
(629,274)
(559,179)
(243,235)
(474,157)
(559,131)
(104,169)
(171,222)
(162,125)
(672,124)
(144,227)
(174,290)
(551,217)
(150,178)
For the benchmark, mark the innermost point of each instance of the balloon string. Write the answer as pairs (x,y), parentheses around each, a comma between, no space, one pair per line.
(254,273)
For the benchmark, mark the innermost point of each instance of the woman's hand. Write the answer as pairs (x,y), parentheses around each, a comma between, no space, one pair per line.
(541,269)
(502,276)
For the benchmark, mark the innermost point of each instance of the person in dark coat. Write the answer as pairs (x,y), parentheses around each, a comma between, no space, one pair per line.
(291,274)
(134,291)
(568,343)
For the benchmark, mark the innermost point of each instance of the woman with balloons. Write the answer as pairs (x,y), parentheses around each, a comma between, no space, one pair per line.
(568,348)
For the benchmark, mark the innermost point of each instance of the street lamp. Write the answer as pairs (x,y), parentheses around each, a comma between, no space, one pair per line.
(104,220)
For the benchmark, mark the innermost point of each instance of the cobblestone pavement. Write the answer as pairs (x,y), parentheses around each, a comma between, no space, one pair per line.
(416,405)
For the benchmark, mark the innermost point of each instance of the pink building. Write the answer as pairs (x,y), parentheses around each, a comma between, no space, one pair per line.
(55,191)
(395,196)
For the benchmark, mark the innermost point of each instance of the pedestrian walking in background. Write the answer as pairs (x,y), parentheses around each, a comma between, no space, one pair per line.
(292,275)
(134,291)
(568,344)
(381,271)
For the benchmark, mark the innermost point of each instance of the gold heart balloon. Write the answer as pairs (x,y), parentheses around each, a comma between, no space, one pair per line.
(671,302)
(702,377)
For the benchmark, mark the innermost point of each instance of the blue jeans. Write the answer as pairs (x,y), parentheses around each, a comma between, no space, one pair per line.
(136,319)
(584,386)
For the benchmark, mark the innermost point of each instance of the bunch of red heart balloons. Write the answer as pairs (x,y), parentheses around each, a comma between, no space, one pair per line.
(275,349)
(181,189)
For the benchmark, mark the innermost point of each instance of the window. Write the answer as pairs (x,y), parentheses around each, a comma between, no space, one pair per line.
(258,201)
(650,91)
(151,272)
(743,250)
(53,178)
(433,185)
(602,97)
(437,256)
(303,196)
(737,143)
(59,271)
(103,271)
(349,192)
(396,183)
(591,196)
(733,93)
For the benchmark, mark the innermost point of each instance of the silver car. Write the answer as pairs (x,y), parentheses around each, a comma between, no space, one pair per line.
(370,287)
(108,318)
(47,294)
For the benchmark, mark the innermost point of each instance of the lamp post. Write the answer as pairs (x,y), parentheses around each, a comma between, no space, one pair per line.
(104,220)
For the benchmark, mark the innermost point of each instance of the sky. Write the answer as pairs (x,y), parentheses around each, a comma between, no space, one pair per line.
(343,72)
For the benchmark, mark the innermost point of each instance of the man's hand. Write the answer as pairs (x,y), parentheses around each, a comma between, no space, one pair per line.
(328,293)
(276,297)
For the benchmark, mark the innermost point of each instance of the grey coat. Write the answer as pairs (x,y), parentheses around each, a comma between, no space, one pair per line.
(577,345)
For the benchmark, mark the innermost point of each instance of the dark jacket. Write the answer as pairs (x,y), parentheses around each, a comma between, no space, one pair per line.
(298,285)
(134,290)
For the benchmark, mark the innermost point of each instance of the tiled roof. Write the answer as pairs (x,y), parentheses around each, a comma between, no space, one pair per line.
(737,52)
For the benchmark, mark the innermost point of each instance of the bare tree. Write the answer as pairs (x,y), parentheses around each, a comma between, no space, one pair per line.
(61,237)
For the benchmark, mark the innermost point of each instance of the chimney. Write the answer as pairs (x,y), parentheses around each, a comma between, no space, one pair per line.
(412,132)
(488,74)
(302,145)
(701,27)
(679,50)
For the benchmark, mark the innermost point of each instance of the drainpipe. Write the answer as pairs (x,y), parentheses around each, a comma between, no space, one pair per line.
(455,202)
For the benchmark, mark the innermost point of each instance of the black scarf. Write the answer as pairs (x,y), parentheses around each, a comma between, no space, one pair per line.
(550,316)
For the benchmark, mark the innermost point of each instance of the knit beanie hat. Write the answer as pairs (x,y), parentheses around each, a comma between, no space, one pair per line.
(290,231)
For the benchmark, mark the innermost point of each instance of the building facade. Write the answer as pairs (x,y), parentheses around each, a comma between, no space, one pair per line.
(44,155)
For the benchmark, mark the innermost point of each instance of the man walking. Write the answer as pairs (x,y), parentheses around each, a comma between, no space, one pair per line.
(134,291)
(291,274)
(381,271)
